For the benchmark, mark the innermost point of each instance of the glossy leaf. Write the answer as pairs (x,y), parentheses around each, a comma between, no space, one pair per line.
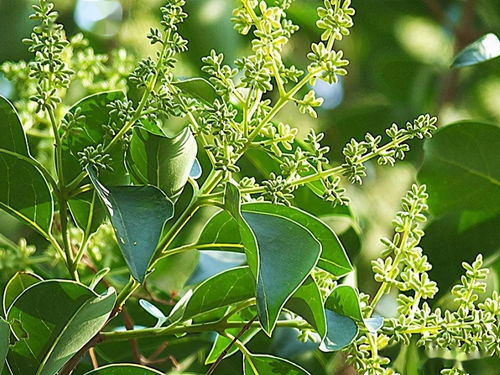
(162,161)
(333,256)
(485,48)
(267,364)
(199,88)
(137,214)
(4,341)
(287,254)
(224,289)
(341,331)
(24,192)
(462,168)
(16,285)
(13,137)
(124,369)
(153,311)
(48,337)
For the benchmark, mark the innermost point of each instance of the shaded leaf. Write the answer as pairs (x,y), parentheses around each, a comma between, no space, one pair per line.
(211,263)
(485,48)
(162,161)
(199,88)
(48,337)
(24,192)
(4,341)
(16,285)
(124,369)
(260,364)
(462,168)
(13,137)
(341,331)
(137,214)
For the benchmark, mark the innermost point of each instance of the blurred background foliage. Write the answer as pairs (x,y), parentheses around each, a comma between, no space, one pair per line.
(400,53)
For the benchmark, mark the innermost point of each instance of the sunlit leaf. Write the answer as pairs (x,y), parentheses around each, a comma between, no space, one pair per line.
(259,364)
(485,48)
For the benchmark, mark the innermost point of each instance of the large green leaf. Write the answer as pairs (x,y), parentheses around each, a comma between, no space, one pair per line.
(287,254)
(162,161)
(462,168)
(344,300)
(199,88)
(485,48)
(11,129)
(333,257)
(224,289)
(16,285)
(124,369)
(137,214)
(262,364)
(24,192)
(4,341)
(52,320)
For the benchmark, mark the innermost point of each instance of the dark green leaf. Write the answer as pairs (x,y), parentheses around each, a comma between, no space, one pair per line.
(462,168)
(24,192)
(224,289)
(199,88)
(137,214)
(333,257)
(260,364)
(287,254)
(124,369)
(221,228)
(11,129)
(16,285)
(4,341)
(162,161)
(485,48)
(52,320)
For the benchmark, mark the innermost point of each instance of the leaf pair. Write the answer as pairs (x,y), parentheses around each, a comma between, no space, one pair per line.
(46,338)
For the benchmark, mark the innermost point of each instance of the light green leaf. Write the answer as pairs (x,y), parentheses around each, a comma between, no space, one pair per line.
(462,168)
(52,320)
(24,192)
(137,214)
(153,311)
(228,287)
(485,48)
(344,300)
(287,254)
(333,256)
(4,341)
(162,161)
(16,285)
(13,137)
(124,369)
(199,88)
(261,364)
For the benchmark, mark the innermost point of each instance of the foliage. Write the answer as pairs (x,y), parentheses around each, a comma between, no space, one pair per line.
(147,151)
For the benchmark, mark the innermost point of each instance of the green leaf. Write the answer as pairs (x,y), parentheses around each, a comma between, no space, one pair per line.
(224,289)
(16,285)
(52,320)
(13,137)
(24,192)
(307,303)
(162,161)
(287,254)
(462,168)
(137,214)
(260,364)
(341,331)
(485,48)
(344,300)
(333,256)
(221,342)
(124,369)
(4,341)
(221,228)
(153,311)
(199,88)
